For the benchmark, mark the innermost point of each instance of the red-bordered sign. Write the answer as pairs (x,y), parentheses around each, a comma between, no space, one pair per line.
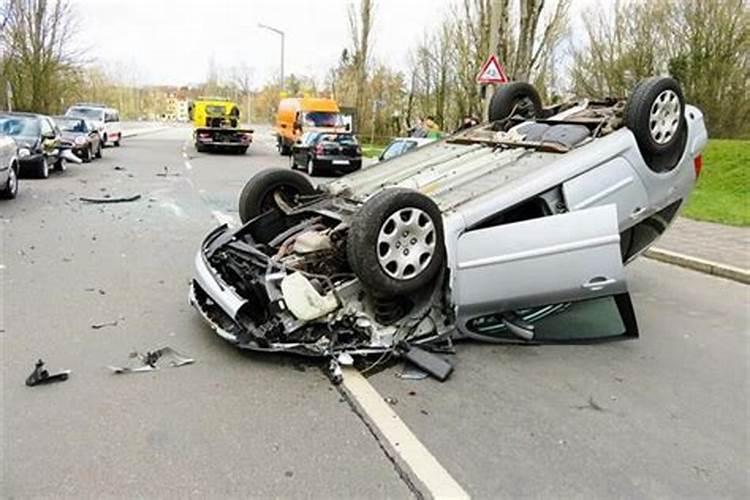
(492,72)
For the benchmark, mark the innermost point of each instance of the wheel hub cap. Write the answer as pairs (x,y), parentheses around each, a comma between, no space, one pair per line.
(665,117)
(406,243)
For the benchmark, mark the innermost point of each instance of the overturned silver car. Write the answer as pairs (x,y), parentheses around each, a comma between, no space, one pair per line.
(513,231)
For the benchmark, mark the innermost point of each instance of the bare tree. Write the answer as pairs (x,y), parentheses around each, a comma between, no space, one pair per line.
(39,60)
(361,20)
(242,78)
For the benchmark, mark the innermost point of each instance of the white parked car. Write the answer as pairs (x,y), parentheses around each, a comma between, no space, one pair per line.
(9,167)
(106,120)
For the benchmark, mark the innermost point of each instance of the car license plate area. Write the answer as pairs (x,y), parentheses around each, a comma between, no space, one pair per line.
(341,162)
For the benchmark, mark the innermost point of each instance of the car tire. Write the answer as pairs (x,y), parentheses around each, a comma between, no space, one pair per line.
(88,154)
(655,114)
(311,167)
(395,242)
(117,143)
(519,98)
(41,169)
(104,140)
(256,197)
(60,165)
(10,190)
(285,150)
(99,150)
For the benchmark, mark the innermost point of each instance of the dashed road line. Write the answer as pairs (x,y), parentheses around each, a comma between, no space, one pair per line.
(439,483)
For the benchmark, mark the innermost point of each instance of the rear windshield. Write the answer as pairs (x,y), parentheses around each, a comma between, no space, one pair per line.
(322,119)
(215,110)
(19,126)
(339,138)
(71,124)
(91,113)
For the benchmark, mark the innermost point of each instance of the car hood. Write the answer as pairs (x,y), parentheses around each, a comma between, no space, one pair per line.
(24,141)
(70,136)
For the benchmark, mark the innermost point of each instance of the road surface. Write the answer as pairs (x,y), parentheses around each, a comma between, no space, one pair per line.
(662,416)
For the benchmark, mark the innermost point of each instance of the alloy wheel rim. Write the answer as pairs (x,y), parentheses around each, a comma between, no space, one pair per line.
(12,181)
(664,117)
(406,243)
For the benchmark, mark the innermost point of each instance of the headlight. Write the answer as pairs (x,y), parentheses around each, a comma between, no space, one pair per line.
(23,152)
(80,140)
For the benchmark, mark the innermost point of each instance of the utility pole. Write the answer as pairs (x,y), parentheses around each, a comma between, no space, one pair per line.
(281,34)
(9,94)
(494,39)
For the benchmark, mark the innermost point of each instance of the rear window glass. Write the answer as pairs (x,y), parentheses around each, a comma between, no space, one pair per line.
(322,119)
(339,138)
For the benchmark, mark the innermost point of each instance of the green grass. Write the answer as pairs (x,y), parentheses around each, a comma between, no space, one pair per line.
(723,191)
(372,150)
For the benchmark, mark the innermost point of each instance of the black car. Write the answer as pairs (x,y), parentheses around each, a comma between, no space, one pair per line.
(38,140)
(81,136)
(327,152)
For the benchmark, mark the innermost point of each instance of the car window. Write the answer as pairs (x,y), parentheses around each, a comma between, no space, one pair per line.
(90,113)
(71,124)
(322,119)
(393,150)
(408,146)
(310,138)
(19,126)
(46,127)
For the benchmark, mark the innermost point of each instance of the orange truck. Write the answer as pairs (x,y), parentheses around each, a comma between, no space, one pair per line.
(297,115)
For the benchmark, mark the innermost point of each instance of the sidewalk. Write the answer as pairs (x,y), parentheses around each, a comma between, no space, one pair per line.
(707,244)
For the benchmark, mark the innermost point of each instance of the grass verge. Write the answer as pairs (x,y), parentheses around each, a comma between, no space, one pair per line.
(723,191)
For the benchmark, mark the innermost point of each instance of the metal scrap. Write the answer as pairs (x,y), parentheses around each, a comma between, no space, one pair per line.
(165,357)
(40,375)
(110,199)
(97,326)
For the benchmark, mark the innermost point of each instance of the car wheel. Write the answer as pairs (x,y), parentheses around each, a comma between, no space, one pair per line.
(104,140)
(60,165)
(655,113)
(99,150)
(257,196)
(516,98)
(311,167)
(10,190)
(88,154)
(42,169)
(395,242)
(117,143)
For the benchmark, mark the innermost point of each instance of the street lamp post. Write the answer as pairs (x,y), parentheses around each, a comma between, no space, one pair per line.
(281,34)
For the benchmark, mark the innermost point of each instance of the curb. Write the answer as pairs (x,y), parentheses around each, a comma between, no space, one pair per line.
(701,265)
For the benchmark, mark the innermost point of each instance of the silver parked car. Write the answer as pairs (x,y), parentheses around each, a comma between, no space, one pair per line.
(9,167)
(512,231)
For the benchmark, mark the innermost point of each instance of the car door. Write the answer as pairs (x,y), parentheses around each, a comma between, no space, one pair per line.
(560,266)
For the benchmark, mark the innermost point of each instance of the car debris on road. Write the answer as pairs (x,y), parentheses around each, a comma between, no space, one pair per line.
(110,199)
(40,375)
(164,357)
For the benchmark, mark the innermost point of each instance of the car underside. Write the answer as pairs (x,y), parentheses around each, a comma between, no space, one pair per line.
(502,232)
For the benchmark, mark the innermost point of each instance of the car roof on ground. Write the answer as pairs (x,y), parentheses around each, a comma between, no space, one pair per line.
(419,140)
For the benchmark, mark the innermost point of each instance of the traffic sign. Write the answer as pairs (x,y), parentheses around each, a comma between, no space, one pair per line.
(492,72)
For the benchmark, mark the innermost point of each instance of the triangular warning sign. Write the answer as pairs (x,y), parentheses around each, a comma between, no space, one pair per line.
(492,72)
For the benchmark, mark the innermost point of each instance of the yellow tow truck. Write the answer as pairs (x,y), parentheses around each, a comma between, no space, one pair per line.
(215,123)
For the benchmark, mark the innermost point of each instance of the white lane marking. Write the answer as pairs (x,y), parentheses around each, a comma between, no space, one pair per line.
(188,165)
(223,218)
(419,459)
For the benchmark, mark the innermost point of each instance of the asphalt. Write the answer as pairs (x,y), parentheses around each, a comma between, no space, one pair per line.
(662,416)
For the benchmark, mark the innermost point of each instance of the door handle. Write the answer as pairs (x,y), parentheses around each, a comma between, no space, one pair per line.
(598,283)
(637,212)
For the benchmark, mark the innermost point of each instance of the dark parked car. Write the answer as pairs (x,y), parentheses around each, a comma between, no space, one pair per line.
(38,140)
(327,152)
(81,136)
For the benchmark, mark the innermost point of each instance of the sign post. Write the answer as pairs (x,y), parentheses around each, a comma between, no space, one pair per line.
(492,73)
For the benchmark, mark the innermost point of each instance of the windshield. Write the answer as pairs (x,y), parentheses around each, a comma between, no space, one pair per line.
(19,126)
(91,113)
(70,124)
(322,119)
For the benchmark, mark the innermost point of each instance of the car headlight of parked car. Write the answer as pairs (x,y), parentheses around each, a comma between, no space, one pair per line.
(23,152)
(80,140)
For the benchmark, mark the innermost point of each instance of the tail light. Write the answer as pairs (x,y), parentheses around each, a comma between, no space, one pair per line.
(698,165)
(319,149)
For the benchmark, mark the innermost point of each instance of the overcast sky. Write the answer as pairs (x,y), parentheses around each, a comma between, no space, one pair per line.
(172,41)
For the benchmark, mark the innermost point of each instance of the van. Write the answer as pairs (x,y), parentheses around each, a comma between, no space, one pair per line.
(106,120)
(305,114)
